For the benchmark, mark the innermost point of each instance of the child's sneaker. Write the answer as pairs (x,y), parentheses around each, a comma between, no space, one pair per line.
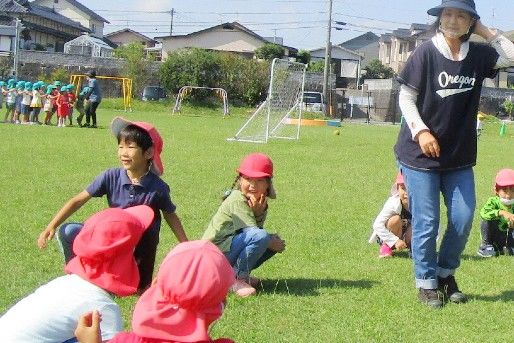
(385,251)
(486,250)
(242,289)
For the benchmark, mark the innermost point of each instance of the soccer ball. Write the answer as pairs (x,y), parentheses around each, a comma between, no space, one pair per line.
(337,132)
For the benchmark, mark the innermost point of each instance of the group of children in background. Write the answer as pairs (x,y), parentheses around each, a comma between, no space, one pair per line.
(393,231)
(113,253)
(24,102)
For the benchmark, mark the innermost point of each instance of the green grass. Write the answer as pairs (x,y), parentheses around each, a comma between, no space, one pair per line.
(329,285)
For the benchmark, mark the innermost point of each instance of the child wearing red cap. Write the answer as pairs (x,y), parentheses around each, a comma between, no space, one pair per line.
(186,297)
(138,182)
(497,215)
(237,227)
(104,265)
(392,227)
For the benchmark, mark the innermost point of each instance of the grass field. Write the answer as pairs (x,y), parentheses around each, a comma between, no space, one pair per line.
(329,285)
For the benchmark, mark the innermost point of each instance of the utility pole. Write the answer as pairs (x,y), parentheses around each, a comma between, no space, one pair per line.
(328,57)
(171,22)
(16,46)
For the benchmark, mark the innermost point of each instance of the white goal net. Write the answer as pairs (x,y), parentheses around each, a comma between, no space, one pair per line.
(279,116)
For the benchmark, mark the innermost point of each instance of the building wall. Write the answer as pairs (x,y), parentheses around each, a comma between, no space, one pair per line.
(224,40)
(124,38)
(369,52)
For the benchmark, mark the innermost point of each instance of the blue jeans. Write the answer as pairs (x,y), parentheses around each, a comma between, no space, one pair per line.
(66,234)
(249,249)
(458,190)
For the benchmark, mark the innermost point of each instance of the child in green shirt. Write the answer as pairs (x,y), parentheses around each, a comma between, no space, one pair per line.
(498,219)
(237,227)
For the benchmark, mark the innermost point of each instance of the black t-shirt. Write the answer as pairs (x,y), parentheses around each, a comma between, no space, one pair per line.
(448,99)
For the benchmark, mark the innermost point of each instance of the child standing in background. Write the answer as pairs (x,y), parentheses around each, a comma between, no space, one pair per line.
(10,100)
(17,103)
(63,106)
(49,103)
(497,215)
(79,105)
(392,227)
(237,227)
(25,102)
(2,92)
(72,98)
(36,103)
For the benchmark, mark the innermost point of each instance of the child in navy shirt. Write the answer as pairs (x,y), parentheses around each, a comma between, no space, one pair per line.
(136,183)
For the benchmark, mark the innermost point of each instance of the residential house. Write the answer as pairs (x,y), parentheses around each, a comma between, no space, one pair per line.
(397,46)
(42,27)
(367,45)
(232,37)
(346,63)
(76,11)
(7,38)
(127,36)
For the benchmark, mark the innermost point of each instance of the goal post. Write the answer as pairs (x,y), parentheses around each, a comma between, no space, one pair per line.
(283,106)
(186,90)
(126,87)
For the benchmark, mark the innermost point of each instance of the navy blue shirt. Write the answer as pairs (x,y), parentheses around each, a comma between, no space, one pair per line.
(448,99)
(121,193)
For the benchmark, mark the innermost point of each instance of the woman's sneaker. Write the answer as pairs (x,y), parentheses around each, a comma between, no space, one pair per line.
(430,297)
(385,251)
(486,250)
(448,286)
(242,289)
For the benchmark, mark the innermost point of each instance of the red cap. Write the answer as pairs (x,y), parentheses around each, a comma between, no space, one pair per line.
(105,245)
(256,165)
(187,295)
(504,178)
(119,123)
(399,179)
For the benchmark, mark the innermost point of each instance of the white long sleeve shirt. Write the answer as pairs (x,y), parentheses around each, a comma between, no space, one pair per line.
(392,207)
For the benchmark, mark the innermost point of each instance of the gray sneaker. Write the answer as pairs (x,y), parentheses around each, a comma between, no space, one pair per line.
(448,286)
(430,297)
(486,250)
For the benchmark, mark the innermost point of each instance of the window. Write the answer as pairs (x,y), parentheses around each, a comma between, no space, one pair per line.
(93,28)
(56,1)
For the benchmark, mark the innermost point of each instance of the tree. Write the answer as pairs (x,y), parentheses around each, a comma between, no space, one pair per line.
(303,56)
(508,106)
(316,66)
(376,70)
(269,51)
(136,65)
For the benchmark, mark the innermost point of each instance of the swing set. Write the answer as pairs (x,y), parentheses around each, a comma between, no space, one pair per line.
(186,90)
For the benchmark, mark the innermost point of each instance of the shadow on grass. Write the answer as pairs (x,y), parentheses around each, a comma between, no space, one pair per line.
(307,287)
(504,296)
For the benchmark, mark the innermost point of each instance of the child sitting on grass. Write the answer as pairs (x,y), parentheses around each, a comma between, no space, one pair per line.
(497,215)
(104,266)
(136,183)
(237,227)
(392,227)
(186,297)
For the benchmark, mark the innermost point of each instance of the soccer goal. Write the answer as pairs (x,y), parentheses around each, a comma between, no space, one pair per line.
(186,90)
(280,115)
(126,87)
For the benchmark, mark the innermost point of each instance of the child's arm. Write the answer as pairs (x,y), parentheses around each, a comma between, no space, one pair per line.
(508,216)
(88,328)
(176,225)
(64,213)
(391,207)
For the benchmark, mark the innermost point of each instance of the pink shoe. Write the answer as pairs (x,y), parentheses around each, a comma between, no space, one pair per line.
(242,289)
(385,251)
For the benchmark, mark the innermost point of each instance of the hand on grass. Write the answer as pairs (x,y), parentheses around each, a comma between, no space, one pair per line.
(276,243)
(44,237)
(259,205)
(400,245)
(88,328)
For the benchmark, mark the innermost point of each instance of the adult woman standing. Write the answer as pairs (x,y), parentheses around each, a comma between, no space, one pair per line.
(437,147)
(93,98)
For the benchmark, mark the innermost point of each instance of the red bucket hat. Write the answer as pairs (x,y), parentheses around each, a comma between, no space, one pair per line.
(187,295)
(119,123)
(258,165)
(504,178)
(105,245)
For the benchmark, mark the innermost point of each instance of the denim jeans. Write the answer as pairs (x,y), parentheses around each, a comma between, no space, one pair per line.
(249,249)
(424,188)
(66,234)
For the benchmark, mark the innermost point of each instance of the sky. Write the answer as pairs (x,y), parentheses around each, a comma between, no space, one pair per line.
(301,24)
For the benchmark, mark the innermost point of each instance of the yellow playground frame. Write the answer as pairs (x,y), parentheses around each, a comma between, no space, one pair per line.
(126,85)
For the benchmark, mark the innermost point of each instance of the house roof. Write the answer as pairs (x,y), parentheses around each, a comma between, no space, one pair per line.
(140,35)
(84,9)
(229,26)
(360,41)
(337,47)
(6,30)
(11,6)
